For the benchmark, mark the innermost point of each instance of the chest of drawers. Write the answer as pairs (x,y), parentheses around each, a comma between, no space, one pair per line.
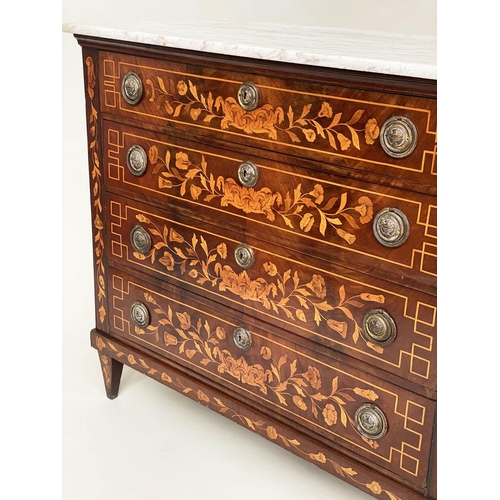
(265,243)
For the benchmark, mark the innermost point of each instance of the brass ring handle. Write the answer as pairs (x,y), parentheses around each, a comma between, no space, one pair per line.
(378,327)
(137,160)
(140,239)
(391,227)
(370,421)
(139,314)
(132,88)
(242,338)
(398,137)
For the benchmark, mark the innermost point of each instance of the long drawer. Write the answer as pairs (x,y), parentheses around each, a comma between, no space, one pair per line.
(315,119)
(380,323)
(364,225)
(383,423)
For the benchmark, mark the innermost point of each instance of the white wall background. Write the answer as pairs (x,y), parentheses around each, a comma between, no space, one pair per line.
(151,443)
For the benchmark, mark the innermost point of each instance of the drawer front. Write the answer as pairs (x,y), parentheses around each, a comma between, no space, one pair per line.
(338,124)
(332,217)
(318,393)
(331,305)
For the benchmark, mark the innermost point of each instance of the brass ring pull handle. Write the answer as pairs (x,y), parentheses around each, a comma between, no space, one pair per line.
(137,160)
(242,338)
(139,314)
(248,96)
(132,88)
(370,421)
(398,137)
(140,239)
(378,327)
(391,227)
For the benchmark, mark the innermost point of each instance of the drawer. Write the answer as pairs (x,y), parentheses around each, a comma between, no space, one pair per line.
(384,424)
(327,120)
(385,325)
(332,217)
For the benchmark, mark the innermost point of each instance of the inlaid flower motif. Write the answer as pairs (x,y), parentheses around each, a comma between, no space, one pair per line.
(319,457)
(310,134)
(266,353)
(242,285)
(169,339)
(175,236)
(153,154)
(345,143)
(270,268)
(313,377)
(299,402)
(247,199)
(271,432)
(365,209)
(258,121)
(100,343)
(202,396)
(326,110)
(318,193)
(222,250)
(182,87)
(102,314)
(181,160)
(195,191)
(366,393)
(220,333)
(253,375)
(318,286)
(168,261)
(330,414)
(371,131)
(374,487)
(131,359)
(184,320)
(369,297)
(350,238)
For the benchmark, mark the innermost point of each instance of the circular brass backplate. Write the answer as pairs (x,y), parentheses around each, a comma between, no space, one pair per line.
(139,314)
(140,239)
(391,227)
(137,160)
(132,88)
(244,256)
(248,96)
(242,338)
(248,174)
(398,137)
(370,421)
(379,327)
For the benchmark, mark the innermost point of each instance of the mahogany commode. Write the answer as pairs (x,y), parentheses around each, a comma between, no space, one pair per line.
(265,243)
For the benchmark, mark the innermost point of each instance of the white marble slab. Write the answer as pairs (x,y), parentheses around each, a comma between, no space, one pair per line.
(371,51)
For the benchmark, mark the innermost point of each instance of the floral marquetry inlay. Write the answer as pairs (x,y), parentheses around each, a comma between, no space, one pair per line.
(281,290)
(200,341)
(176,97)
(96,185)
(299,209)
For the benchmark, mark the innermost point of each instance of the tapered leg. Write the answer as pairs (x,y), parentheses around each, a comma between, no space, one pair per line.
(111,372)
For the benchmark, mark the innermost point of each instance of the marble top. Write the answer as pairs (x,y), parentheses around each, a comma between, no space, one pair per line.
(371,51)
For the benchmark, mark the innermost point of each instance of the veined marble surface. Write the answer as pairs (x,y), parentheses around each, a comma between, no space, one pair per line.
(371,51)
